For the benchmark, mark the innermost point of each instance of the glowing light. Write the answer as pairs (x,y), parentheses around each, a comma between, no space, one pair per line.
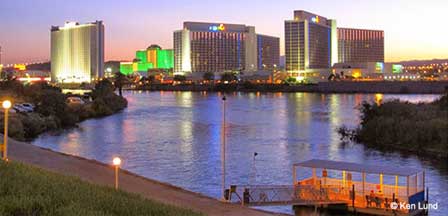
(356,74)
(397,68)
(300,78)
(116,161)
(315,19)
(220,27)
(20,67)
(6,104)
(379,67)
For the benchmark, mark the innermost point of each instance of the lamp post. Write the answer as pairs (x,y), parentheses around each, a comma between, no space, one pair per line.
(223,146)
(116,161)
(6,105)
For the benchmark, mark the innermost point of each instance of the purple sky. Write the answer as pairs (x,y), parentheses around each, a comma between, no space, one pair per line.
(414,29)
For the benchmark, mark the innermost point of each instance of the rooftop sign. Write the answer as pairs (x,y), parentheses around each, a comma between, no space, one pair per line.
(219,27)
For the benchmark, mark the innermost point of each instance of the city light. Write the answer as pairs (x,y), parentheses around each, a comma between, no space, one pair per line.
(220,27)
(116,161)
(6,104)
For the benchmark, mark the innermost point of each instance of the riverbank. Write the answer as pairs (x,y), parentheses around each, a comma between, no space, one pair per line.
(54,110)
(402,87)
(395,125)
(102,174)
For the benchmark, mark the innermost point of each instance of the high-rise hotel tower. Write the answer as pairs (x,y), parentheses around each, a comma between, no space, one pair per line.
(310,43)
(360,45)
(219,47)
(77,52)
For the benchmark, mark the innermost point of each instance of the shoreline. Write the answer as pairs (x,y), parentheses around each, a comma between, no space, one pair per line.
(368,87)
(102,174)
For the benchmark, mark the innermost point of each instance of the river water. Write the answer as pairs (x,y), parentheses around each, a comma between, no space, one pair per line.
(174,137)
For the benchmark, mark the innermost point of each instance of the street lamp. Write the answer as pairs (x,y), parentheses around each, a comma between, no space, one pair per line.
(6,105)
(223,146)
(116,161)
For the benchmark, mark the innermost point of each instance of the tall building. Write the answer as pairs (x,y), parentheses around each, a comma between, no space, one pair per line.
(310,43)
(77,52)
(268,51)
(360,45)
(154,57)
(217,47)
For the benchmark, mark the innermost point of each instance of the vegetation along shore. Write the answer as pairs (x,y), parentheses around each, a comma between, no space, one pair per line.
(53,109)
(420,128)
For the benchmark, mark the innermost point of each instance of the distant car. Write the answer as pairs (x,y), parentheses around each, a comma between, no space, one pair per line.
(24,108)
(28,106)
(74,101)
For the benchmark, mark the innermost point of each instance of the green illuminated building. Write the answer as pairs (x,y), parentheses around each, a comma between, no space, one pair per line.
(154,57)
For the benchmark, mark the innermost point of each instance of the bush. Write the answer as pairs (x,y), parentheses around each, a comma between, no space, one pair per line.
(419,128)
(15,127)
(52,111)
(33,125)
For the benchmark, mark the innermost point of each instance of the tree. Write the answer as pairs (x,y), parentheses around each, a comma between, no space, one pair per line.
(208,76)
(120,80)
(229,77)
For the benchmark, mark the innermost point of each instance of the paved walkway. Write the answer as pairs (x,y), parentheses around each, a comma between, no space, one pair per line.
(98,173)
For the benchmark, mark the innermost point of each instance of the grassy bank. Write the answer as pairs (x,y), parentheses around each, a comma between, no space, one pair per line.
(396,125)
(25,190)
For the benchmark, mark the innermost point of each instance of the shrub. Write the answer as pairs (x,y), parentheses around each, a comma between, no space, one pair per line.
(419,128)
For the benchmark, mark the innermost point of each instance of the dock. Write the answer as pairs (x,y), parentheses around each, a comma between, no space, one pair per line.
(359,188)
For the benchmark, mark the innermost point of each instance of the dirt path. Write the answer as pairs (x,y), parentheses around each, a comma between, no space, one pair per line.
(102,174)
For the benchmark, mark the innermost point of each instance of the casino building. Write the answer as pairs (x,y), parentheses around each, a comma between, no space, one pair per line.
(217,47)
(77,52)
(310,43)
(314,44)
(360,45)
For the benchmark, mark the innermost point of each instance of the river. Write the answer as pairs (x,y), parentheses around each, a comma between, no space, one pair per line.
(174,137)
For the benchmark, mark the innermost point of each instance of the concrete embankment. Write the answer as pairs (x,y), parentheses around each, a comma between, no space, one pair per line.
(408,87)
(102,174)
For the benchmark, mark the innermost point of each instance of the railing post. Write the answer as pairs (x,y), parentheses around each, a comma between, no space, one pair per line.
(396,184)
(363,183)
(381,183)
(294,175)
(407,187)
(353,196)
(423,180)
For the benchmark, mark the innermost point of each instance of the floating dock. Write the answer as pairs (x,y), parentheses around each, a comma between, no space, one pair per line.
(359,188)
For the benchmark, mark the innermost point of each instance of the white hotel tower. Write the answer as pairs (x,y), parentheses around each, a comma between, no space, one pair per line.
(77,52)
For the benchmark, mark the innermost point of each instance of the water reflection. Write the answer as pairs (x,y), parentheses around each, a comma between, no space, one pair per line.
(175,137)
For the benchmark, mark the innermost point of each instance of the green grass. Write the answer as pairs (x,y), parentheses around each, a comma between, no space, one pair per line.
(26,190)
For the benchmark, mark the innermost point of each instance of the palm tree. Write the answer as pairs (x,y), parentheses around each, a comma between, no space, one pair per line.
(119,82)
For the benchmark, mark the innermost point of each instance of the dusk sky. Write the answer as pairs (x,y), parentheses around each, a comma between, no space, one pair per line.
(414,29)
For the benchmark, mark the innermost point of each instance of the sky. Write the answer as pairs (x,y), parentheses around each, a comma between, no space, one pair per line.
(414,29)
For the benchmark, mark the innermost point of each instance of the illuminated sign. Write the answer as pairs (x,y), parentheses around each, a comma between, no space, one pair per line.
(379,67)
(397,68)
(20,67)
(315,19)
(215,28)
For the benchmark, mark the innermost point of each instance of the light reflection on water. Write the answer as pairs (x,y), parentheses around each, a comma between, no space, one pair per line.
(175,137)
